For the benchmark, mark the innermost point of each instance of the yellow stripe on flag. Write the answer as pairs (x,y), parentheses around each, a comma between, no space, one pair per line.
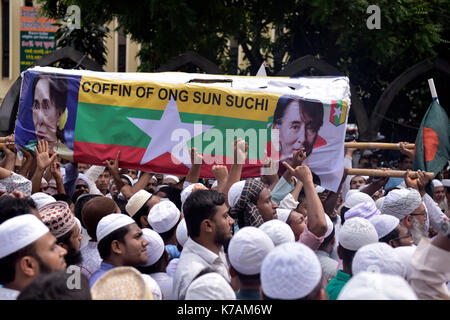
(197,99)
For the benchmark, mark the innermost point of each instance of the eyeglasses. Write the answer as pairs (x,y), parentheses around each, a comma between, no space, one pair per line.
(409,235)
(419,214)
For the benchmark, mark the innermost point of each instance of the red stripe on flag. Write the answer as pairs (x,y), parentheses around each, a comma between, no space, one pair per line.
(332,110)
(320,142)
(97,153)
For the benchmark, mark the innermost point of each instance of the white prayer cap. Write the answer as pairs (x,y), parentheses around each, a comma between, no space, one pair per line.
(235,192)
(379,203)
(356,233)
(376,286)
(401,202)
(350,192)
(290,271)
(283,214)
(366,210)
(168,176)
(446,182)
(378,257)
(405,254)
(163,216)
(41,199)
(181,233)
(155,247)
(189,189)
(172,267)
(320,189)
(137,201)
(248,248)
(356,198)
(78,223)
(437,183)
(279,231)
(20,231)
(330,226)
(384,224)
(153,286)
(111,223)
(83,177)
(210,286)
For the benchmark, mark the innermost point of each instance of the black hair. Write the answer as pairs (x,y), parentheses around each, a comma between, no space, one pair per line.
(8,263)
(65,238)
(79,204)
(347,256)
(121,203)
(156,267)
(201,205)
(245,278)
(143,211)
(327,240)
(104,245)
(173,194)
(12,207)
(54,286)
(394,234)
(63,197)
(344,209)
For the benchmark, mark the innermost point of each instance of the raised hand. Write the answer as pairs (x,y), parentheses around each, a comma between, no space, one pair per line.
(298,157)
(302,173)
(220,172)
(196,158)
(240,150)
(43,157)
(113,165)
(54,169)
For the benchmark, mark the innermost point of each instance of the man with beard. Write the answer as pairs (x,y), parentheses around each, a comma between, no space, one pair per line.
(406,205)
(58,217)
(28,249)
(209,228)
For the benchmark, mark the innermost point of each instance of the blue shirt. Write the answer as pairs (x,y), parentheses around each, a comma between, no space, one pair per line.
(104,267)
(173,251)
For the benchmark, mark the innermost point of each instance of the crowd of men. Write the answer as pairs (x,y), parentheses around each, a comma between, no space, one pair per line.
(128,234)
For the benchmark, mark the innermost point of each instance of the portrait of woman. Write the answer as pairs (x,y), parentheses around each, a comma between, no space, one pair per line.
(298,122)
(49,98)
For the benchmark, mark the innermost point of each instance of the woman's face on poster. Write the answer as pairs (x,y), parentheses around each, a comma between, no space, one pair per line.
(45,114)
(295,132)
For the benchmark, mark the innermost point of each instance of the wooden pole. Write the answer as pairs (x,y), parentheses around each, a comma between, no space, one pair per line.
(384,173)
(376,145)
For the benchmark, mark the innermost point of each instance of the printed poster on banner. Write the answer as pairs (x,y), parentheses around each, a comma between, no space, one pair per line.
(155,118)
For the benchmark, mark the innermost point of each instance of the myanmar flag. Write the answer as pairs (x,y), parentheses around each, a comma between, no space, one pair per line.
(432,150)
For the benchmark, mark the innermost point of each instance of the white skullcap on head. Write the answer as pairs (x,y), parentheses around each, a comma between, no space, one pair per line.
(137,201)
(378,257)
(366,210)
(446,182)
(172,267)
(401,202)
(41,199)
(248,248)
(356,198)
(356,233)
(235,192)
(181,233)
(290,271)
(168,176)
(283,214)
(155,247)
(279,231)
(210,286)
(405,253)
(153,286)
(111,223)
(379,203)
(163,216)
(330,226)
(437,183)
(20,231)
(188,190)
(350,192)
(384,224)
(376,286)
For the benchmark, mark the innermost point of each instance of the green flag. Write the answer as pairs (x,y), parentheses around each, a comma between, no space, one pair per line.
(432,150)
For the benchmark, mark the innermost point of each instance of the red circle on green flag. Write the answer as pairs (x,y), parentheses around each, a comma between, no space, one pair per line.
(430,143)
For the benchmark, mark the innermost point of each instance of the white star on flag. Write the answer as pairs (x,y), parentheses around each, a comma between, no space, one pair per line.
(160,130)
(337,111)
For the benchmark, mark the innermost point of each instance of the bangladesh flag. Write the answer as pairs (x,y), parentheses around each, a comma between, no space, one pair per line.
(432,149)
